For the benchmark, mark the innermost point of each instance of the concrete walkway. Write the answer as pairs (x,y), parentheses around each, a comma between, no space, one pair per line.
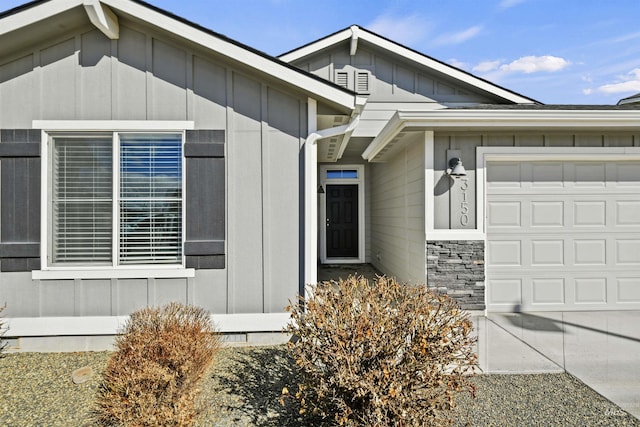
(602,349)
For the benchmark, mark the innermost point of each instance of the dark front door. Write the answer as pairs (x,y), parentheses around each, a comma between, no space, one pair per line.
(342,221)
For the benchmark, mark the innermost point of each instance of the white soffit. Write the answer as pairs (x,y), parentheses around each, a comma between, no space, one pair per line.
(488,120)
(419,58)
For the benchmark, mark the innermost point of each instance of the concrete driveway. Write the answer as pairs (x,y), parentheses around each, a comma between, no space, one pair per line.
(602,349)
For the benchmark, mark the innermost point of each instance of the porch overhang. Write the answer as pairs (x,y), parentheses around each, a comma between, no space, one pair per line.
(396,131)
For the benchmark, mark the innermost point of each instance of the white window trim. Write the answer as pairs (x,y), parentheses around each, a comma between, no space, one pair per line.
(48,272)
(360,181)
(114,125)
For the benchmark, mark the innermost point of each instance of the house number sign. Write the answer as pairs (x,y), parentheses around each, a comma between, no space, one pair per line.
(464,203)
(461,203)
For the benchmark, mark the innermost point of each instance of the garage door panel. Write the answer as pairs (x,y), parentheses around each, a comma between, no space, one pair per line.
(504,175)
(566,238)
(589,213)
(547,214)
(546,175)
(547,252)
(628,251)
(505,253)
(506,292)
(590,290)
(588,252)
(547,291)
(589,175)
(627,213)
(628,289)
(504,214)
(627,175)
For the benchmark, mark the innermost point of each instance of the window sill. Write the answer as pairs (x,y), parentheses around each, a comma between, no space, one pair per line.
(113,273)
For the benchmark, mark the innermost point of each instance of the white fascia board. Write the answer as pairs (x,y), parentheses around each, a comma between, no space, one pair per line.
(513,119)
(321,90)
(408,54)
(501,120)
(393,127)
(443,68)
(317,46)
(111,325)
(36,14)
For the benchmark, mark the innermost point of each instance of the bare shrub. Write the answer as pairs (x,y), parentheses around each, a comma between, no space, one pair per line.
(380,353)
(161,356)
(3,330)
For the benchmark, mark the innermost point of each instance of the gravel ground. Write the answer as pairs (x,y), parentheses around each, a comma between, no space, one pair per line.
(245,386)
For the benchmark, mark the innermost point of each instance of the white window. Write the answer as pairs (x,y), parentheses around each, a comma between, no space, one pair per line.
(115,199)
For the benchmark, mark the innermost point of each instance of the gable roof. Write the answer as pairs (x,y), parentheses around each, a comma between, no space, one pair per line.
(633,99)
(40,10)
(355,33)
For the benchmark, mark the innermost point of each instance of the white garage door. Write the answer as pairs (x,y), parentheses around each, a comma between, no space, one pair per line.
(563,236)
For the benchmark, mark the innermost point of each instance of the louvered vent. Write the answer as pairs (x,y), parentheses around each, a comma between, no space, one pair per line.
(362,82)
(342,79)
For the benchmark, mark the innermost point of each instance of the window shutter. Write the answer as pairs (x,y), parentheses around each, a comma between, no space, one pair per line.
(20,199)
(204,246)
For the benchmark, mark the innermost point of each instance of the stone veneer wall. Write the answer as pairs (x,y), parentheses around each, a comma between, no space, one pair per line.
(457,268)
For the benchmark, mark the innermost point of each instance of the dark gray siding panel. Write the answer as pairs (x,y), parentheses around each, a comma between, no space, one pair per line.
(19,199)
(205,217)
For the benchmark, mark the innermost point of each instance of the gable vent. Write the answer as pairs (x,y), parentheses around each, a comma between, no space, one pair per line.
(342,79)
(362,82)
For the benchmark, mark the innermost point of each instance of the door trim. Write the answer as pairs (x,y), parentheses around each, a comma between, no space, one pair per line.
(322,208)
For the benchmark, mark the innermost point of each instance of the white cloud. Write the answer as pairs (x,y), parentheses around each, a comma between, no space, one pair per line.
(627,83)
(534,64)
(460,36)
(406,30)
(486,66)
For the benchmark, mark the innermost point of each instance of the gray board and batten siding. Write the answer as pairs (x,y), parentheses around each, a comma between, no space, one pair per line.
(392,83)
(242,161)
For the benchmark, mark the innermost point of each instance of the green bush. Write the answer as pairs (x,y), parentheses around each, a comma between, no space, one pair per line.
(161,356)
(380,353)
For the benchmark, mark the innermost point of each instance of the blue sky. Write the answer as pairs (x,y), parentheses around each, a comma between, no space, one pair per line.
(555,51)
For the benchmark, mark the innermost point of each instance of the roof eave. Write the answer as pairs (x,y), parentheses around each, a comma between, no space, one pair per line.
(486,120)
(311,85)
(410,54)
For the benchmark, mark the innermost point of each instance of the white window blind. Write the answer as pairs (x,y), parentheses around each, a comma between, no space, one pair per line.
(144,192)
(150,199)
(82,199)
